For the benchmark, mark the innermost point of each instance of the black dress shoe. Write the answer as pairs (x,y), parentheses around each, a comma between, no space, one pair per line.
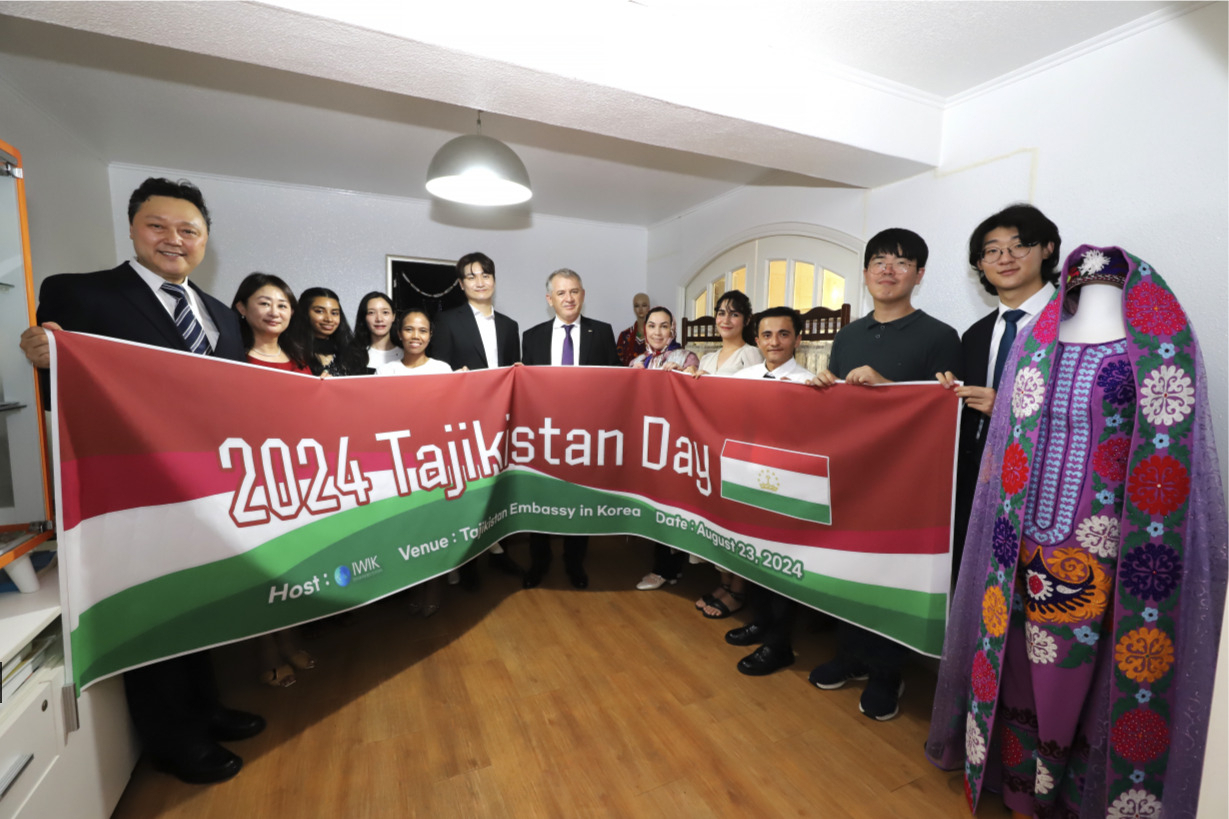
(533,577)
(747,635)
(201,764)
(506,564)
(228,725)
(579,579)
(765,660)
(469,577)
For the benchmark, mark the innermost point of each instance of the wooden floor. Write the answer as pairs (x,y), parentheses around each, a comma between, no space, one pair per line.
(556,702)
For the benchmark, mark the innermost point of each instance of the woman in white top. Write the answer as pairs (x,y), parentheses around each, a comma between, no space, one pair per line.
(414,329)
(373,332)
(733,315)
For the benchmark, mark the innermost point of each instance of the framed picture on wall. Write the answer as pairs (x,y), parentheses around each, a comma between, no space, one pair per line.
(430,284)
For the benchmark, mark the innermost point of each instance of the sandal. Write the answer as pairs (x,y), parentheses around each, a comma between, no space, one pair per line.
(723,609)
(711,598)
(278,677)
(301,660)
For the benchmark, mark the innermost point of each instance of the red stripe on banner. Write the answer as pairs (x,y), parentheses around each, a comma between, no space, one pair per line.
(801,462)
(119,482)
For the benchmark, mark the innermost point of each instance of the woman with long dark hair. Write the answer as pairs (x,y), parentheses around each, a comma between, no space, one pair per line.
(374,338)
(323,321)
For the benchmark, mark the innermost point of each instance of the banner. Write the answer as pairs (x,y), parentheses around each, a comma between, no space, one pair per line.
(203,501)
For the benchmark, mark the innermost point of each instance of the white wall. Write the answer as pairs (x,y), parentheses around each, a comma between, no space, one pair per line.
(321,237)
(67,191)
(1125,145)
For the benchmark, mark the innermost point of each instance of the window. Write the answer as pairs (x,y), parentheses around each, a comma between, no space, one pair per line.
(799,271)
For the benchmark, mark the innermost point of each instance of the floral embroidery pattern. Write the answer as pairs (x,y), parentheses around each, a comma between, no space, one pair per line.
(1144,654)
(1118,382)
(1151,572)
(1154,311)
(1167,396)
(1110,459)
(1013,750)
(1006,543)
(1139,736)
(1099,535)
(1159,484)
(1045,329)
(974,744)
(1135,804)
(1067,586)
(985,681)
(1015,469)
(994,611)
(1042,649)
(1027,393)
(1044,781)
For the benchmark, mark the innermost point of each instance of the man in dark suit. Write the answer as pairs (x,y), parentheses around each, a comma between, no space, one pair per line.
(1015,253)
(474,337)
(149,299)
(569,339)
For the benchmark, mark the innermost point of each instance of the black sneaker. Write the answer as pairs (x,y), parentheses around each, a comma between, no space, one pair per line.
(835,673)
(881,699)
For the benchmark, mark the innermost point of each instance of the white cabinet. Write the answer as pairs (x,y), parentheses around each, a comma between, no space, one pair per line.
(60,772)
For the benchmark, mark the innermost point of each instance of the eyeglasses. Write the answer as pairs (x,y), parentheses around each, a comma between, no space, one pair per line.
(899,265)
(990,255)
(473,277)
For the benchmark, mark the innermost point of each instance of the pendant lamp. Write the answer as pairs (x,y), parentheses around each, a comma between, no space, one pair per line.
(478,170)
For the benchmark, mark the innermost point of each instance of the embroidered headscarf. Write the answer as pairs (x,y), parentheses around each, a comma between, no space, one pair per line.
(1147,713)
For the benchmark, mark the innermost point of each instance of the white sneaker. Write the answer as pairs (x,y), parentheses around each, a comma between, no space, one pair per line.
(651,581)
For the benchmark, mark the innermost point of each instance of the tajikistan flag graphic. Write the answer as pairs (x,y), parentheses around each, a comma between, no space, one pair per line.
(794,484)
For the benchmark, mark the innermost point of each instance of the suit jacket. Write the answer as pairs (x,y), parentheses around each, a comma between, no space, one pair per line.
(975,354)
(116,303)
(457,341)
(597,346)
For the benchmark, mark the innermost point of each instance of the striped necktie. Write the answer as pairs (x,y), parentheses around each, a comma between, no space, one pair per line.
(185,320)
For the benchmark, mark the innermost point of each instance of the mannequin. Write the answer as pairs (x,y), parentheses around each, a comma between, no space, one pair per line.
(1080,653)
(1098,315)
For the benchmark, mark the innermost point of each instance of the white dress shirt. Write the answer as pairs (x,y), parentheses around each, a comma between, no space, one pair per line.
(556,342)
(789,371)
(1031,307)
(486,330)
(168,301)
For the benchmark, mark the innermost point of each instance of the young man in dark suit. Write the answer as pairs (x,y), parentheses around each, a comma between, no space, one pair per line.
(149,299)
(1015,253)
(475,337)
(569,339)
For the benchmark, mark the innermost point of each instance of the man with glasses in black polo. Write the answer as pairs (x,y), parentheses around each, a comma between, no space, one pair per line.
(895,342)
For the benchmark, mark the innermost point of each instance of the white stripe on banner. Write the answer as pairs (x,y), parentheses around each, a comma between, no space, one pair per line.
(132,546)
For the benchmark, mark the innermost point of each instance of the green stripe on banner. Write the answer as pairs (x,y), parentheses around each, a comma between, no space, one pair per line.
(794,508)
(396,543)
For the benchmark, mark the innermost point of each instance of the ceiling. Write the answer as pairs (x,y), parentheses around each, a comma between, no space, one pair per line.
(625,111)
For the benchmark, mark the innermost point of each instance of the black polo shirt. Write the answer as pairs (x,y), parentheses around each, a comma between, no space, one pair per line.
(912,348)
